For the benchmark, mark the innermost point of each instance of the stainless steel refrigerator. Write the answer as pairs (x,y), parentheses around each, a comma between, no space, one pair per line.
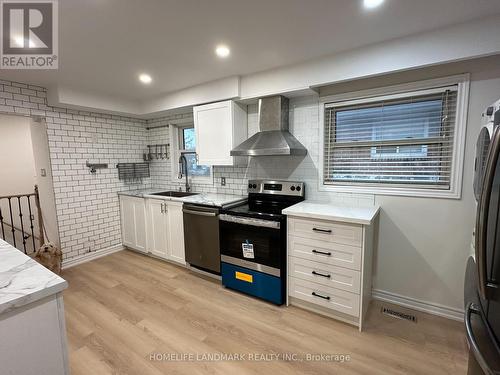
(482,277)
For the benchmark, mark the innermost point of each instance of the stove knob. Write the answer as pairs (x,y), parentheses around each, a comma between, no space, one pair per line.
(249,186)
(292,188)
(254,186)
(298,188)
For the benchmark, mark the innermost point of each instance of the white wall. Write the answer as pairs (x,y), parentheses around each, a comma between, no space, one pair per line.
(17,166)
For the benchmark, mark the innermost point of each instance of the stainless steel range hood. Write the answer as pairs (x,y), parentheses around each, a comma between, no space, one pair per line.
(273,137)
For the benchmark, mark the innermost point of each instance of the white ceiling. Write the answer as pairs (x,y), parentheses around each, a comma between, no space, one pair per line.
(105,44)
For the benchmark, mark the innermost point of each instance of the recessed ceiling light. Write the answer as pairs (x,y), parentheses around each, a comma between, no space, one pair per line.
(145,78)
(222,51)
(370,4)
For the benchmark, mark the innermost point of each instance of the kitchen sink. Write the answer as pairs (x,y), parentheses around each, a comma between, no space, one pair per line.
(176,194)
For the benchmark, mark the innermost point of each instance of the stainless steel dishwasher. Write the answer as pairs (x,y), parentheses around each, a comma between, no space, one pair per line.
(201,237)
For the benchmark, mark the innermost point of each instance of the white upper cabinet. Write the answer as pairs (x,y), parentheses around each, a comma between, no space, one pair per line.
(219,128)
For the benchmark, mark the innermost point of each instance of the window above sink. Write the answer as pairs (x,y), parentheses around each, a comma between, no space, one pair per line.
(183,139)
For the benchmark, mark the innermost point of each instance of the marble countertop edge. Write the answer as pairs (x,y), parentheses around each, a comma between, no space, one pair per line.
(329,211)
(23,280)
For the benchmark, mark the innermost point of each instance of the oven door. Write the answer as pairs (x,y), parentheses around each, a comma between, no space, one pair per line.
(252,241)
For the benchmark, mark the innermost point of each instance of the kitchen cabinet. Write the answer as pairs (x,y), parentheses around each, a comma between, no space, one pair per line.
(165,230)
(153,226)
(330,260)
(133,223)
(176,232)
(158,228)
(219,128)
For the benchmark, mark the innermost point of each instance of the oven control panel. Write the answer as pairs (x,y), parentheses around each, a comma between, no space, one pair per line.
(293,188)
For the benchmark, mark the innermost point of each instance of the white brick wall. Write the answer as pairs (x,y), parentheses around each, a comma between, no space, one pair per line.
(86,204)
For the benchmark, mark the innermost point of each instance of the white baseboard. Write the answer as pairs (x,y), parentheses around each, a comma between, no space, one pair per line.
(419,305)
(91,256)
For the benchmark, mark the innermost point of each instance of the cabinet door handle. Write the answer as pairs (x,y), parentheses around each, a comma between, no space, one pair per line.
(322,252)
(322,230)
(321,274)
(320,296)
(162,208)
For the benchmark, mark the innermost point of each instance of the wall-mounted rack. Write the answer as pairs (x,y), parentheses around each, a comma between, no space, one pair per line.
(132,171)
(95,166)
(156,152)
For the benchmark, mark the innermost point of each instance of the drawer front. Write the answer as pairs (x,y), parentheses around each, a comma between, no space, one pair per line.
(325,274)
(325,252)
(335,299)
(329,231)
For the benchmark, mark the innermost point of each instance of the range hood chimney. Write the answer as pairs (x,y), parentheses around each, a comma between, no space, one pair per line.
(273,137)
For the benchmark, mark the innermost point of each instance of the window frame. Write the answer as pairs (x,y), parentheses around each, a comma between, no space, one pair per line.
(176,132)
(397,92)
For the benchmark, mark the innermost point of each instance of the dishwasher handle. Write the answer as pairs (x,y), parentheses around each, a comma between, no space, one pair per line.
(200,213)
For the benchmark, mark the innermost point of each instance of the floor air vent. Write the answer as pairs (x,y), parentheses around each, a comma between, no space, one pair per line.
(398,314)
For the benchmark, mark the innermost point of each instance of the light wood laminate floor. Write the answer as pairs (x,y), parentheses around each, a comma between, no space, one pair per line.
(123,308)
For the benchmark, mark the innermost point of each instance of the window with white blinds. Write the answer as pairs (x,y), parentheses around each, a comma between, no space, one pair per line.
(398,140)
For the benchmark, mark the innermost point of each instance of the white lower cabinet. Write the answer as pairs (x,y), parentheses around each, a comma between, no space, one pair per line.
(330,267)
(154,226)
(166,229)
(158,228)
(133,222)
(176,233)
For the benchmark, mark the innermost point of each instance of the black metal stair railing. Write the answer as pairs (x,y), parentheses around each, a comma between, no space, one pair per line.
(17,223)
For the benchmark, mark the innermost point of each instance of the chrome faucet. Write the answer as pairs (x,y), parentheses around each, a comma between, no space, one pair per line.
(183,171)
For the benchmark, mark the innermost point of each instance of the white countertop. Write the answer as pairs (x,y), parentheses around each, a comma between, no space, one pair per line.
(214,199)
(23,280)
(327,211)
(140,193)
(207,199)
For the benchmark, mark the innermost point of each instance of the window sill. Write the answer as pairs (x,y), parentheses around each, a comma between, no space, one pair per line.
(396,191)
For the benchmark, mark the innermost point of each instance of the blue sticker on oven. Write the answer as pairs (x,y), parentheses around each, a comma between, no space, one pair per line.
(247,250)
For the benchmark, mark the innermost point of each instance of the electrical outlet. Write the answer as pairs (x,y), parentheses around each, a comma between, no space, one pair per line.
(223,181)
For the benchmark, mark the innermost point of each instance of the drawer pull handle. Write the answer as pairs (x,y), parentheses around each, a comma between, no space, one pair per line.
(322,253)
(321,274)
(320,296)
(322,230)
